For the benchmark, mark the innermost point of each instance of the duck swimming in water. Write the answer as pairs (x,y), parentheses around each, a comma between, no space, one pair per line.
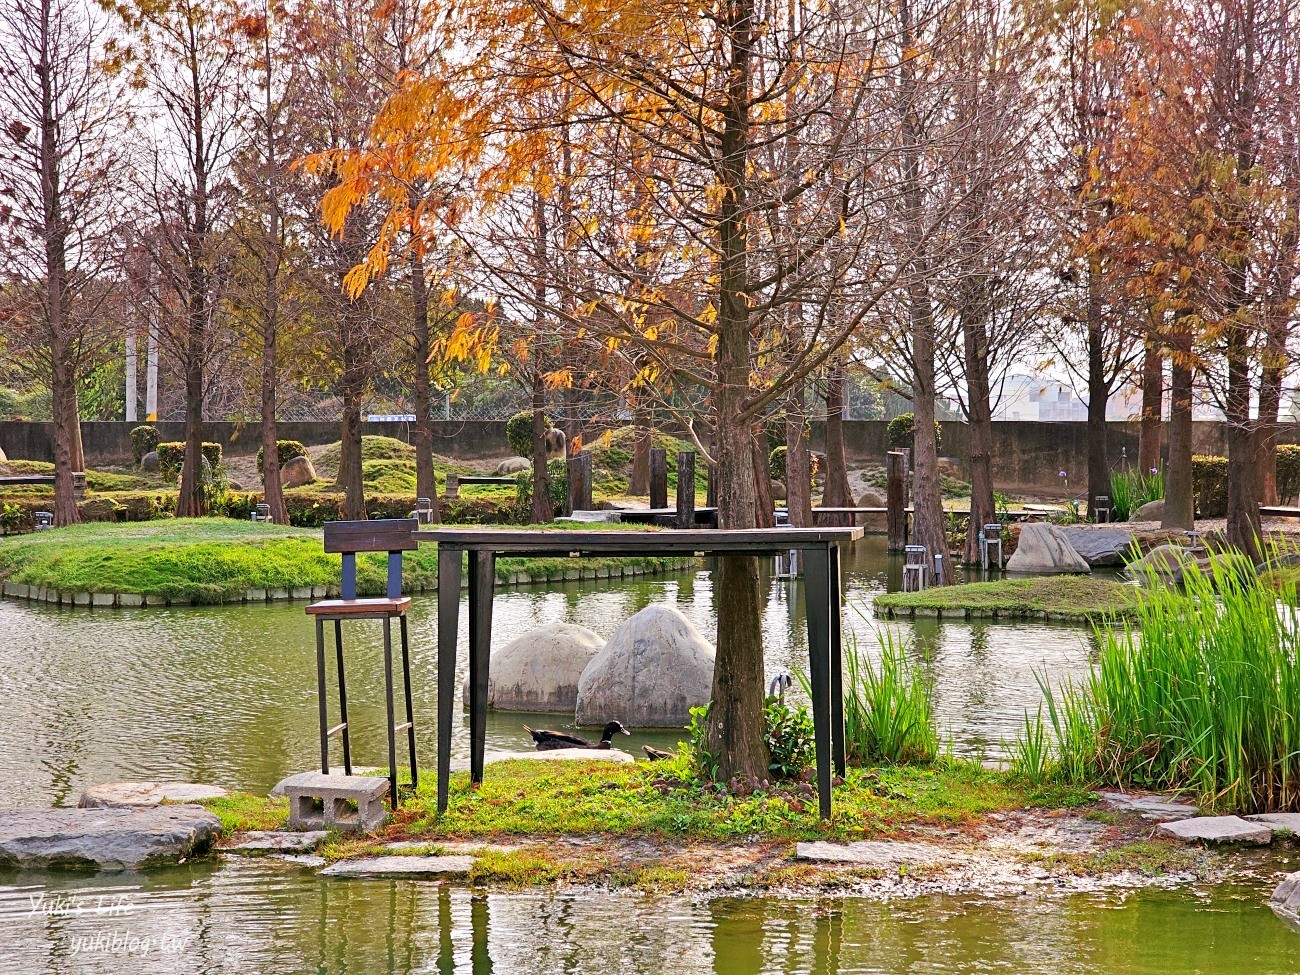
(552,740)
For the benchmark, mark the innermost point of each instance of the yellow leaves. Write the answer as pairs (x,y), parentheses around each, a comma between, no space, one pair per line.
(559,379)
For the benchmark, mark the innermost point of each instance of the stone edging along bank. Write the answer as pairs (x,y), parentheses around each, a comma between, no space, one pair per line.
(134,600)
(979,613)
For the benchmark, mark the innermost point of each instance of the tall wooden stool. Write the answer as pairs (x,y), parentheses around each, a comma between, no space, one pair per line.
(394,536)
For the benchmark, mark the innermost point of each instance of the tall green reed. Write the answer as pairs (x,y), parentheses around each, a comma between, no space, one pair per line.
(1201,693)
(1131,489)
(888,712)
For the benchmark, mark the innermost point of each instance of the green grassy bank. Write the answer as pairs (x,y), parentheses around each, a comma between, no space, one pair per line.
(1080,599)
(212,560)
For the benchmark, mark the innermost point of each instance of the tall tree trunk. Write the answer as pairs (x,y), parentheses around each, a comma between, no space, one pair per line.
(1243,529)
(979,410)
(1153,405)
(543,510)
(642,439)
(764,501)
(272,491)
(192,501)
(1180,504)
(350,477)
(1098,393)
(736,726)
(798,467)
(426,485)
(61,391)
(1270,407)
(836,492)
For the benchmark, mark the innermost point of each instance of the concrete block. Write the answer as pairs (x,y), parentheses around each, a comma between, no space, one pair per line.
(303,592)
(155,600)
(352,803)
(255,595)
(81,599)
(103,599)
(130,600)
(278,593)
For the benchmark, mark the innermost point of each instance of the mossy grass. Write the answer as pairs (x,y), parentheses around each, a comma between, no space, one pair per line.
(1082,599)
(213,560)
(240,812)
(1152,858)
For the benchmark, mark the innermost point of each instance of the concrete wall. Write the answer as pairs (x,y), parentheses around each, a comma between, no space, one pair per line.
(1027,455)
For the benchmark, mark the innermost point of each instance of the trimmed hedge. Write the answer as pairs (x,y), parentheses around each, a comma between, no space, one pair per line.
(519,432)
(900,432)
(172,455)
(1210,485)
(1288,471)
(144,439)
(287,449)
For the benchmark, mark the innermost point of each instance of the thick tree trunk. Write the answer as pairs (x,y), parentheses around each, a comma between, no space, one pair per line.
(543,511)
(979,412)
(764,502)
(1098,395)
(272,491)
(350,477)
(426,485)
(640,452)
(1243,530)
(63,404)
(836,492)
(1153,393)
(798,468)
(736,727)
(192,501)
(1180,504)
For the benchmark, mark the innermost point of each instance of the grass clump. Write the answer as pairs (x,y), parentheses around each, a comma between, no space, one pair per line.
(240,812)
(1072,598)
(888,714)
(1152,858)
(1201,692)
(1131,489)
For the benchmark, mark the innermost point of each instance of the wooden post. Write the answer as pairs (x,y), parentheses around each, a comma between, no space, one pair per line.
(896,499)
(711,492)
(578,496)
(658,477)
(686,489)
(584,466)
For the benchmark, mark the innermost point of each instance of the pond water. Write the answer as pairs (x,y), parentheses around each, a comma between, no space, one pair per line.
(227,694)
(269,917)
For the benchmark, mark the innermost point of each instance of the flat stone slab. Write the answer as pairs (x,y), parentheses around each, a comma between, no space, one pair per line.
(1218,829)
(1149,806)
(372,787)
(555,755)
(1286,899)
(116,795)
(401,866)
(880,854)
(109,839)
(278,841)
(1279,822)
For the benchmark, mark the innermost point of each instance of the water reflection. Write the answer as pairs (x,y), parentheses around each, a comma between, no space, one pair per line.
(227,694)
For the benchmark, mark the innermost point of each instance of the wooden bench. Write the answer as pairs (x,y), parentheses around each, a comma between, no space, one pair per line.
(454,482)
(1278,511)
(22,480)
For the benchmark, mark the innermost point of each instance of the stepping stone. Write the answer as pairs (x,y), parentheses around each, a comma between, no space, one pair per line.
(402,866)
(1279,822)
(1151,807)
(278,841)
(116,795)
(1286,899)
(883,855)
(1218,829)
(614,755)
(110,839)
(353,803)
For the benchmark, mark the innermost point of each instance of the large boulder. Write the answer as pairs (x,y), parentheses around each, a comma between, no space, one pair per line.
(1100,545)
(513,465)
(1286,899)
(778,490)
(118,795)
(1043,549)
(539,671)
(871,498)
(297,472)
(149,462)
(555,443)
(110,839)
(653,670)
(1151,511)
(1164,564)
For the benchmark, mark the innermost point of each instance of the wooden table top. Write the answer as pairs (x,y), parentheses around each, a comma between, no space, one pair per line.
(746,541)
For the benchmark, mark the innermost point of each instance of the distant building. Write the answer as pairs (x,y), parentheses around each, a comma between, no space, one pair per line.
(1037,397)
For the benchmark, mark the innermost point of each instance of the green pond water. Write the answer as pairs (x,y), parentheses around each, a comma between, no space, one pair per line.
(227,695)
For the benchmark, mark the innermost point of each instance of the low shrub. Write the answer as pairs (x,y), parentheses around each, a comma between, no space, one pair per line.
(144,440)
(1288,471)
(901,433)
(286,449)
(519,432)
(171,456)
(557,485)
(888,712)
(1210,485)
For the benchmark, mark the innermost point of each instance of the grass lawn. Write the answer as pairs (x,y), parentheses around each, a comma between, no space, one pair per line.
(663,800)
(209,560)
(1080,598)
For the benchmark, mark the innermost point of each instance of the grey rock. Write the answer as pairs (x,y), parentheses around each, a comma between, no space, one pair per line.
(883,855)
(1286,899)
(114,795)
(653,670)
(402,866)
(539,670)
(513,465)
(1100,545)
(1043,549)
(278,841)
(149,462)
(1279,822)
(109,839)
(872,499)
(1218,829)
(555,443)
(1163,565)
(1151,511)
(778,491)
(1151,807)
(599,516)
(297,472)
